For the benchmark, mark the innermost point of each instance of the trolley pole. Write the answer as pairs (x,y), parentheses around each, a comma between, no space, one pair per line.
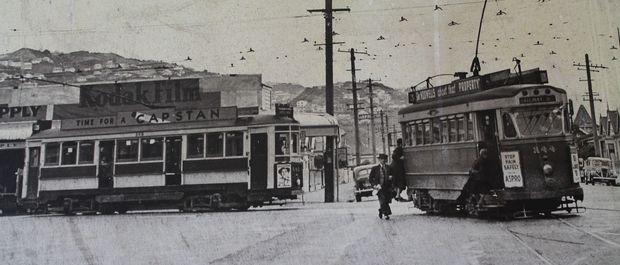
(597,146)
(329,97)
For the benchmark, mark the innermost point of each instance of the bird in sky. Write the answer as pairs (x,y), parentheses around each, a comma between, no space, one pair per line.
(501,12)
(305,40)
(381,37)
(319,48)
(402,19)
(613,47)
(496,59)
(242,58)
(188,58)
(553,66)
(437,7)
(538,43)
(232,65)
(614,59)
(251,50)
(335,33)
(552,52)
(452,23)
(522,55)
(398,44)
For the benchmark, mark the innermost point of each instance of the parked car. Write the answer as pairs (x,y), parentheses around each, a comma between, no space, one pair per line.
(363,188)
(599,169)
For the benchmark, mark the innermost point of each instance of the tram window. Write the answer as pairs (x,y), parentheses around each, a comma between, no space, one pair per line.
(234,143)
(453,128)
(152,148)
(427,133)
(127,150)
(461,128)
(419,135)
(509,127)
(444,131)
(87,151)
(282,143)
(195,145)
(470,127)
(52,151)
(215,145)
(294,142)
(69,153)
(436,125)
(410,134)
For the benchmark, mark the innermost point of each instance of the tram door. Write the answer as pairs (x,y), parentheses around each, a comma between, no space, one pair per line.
(106,164)
(33,172)
(488,126)
(258,160)
(173,161)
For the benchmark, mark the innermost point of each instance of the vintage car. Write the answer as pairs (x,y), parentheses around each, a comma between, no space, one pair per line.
(599,169)
(363,188)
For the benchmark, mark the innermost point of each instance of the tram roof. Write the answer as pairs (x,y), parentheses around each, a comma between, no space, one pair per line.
(493,93)
(255,120)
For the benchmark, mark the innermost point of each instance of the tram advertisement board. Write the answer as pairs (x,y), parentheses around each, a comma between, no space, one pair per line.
(511,166)
(455,88)
(151,117)
(283,175)
(574,158)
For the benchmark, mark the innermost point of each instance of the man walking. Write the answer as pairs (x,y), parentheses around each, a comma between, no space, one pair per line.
(381,179)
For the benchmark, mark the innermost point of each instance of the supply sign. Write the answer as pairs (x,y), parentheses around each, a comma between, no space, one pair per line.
(511,166)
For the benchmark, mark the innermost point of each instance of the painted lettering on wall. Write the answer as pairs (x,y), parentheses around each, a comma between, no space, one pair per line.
(140,93)
(22,113)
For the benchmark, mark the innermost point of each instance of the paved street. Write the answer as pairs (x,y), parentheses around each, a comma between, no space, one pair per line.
(316,233)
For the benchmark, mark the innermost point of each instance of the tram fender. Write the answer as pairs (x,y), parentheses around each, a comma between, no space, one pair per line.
(450,195)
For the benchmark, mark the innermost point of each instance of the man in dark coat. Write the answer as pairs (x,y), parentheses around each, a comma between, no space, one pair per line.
(381,178)
(398,169)
(479,175)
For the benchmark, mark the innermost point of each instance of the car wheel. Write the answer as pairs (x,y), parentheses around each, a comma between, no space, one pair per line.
(358,197)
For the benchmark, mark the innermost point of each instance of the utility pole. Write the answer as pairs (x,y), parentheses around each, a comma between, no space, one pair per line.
(597,146)
(372,120)
(329,96)
(355,104)
(383,132)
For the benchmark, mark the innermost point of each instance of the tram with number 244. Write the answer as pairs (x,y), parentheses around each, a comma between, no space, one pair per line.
(523,124)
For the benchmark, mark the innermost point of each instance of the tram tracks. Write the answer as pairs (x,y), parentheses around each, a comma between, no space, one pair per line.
(521,237)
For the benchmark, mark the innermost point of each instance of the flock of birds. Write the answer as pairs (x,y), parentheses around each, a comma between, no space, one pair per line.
(246,55)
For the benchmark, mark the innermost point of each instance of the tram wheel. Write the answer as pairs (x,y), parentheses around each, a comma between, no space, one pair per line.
(471,205)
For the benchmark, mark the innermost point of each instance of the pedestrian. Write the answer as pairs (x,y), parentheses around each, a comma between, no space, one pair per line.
(381,178)
(398,170)
(478,182)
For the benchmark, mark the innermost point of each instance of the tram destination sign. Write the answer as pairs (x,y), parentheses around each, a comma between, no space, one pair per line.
(457,87)
(151,117)
(537,99)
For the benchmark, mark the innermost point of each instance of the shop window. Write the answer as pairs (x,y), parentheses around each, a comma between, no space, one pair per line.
(215,145)
(195,145)
(282,143)
(127,150)
(52,151)
(234,144)
(152,149)
(87,152)
(69,153)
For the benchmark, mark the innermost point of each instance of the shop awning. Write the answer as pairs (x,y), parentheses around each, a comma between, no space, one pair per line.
(15,131)
(317,124)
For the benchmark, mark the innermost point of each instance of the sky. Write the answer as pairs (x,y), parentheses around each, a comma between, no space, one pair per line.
(217,33)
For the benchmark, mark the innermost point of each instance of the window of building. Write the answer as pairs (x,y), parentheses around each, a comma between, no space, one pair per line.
(215,144)
(282,143)
(234,143)
(69,153)
(195,145)
(152,148)
(127,150)
(52,154)
(86,152)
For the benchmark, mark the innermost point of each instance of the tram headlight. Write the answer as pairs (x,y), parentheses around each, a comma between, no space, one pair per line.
(298,182)
(547,169)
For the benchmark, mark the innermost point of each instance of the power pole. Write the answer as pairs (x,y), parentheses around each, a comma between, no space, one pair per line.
(383,132)
(355,104)
(597,146)
(372,120)
(329,96)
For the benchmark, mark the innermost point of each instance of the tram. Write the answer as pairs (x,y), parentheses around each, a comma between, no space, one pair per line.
(231,163)
(521,122)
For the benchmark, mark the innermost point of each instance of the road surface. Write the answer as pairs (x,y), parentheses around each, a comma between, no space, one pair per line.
(317,233)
